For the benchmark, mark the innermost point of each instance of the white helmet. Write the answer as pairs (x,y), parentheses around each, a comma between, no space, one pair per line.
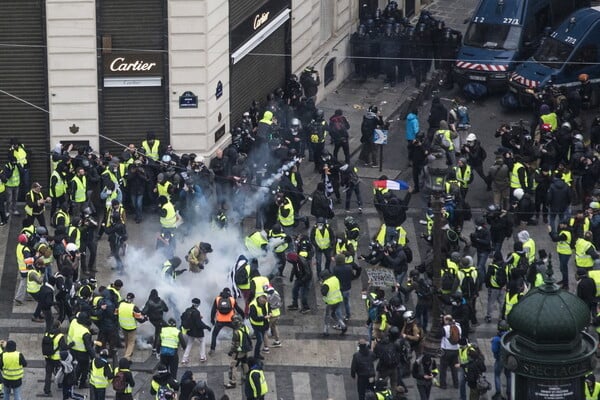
(471,137)
(579,137)
(518,193)
(199,159)
(409,316)
(71,247)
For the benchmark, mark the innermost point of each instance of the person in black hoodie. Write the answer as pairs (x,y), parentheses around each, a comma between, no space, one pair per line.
(558,200)
(474,369)
(362,368)
(46,301)
(371,120)
(345,275)
(424,369)
(187,385)
(202,392)
(321,205)
(193,328)
(154,309)
(394,210)
(437,113)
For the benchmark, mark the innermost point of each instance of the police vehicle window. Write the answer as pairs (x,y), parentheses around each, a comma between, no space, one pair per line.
(493,36)
(586,56)
(553,53)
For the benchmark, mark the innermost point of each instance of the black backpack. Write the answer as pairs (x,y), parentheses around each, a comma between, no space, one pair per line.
(468,286)
(409,254)
(246,340)
(241,276)
(224,305)
(186,318)
(449,278)
(499,273)
(48,345)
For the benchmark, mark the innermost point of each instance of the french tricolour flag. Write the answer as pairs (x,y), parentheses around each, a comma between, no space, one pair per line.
(390,184)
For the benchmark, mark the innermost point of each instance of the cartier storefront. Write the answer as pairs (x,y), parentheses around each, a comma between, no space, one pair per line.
(260,51)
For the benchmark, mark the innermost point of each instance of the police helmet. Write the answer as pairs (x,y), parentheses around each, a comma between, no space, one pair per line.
(320,114)
(41,230)
(503,325)
(380,385)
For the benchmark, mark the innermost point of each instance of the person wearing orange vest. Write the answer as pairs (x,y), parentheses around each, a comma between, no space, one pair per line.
(222,314)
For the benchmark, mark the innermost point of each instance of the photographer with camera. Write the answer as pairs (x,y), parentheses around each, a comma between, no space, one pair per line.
(35,203)
(310,81)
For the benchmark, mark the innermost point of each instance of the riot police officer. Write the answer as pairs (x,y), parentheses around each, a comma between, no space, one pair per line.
(388,49)
(360,50)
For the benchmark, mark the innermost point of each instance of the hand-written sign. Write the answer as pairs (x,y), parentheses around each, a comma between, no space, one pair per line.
(381,277)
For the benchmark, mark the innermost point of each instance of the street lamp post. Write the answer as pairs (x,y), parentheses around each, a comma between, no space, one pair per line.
(431,344)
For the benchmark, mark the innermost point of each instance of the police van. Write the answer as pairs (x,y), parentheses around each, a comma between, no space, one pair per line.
(571,50)
(503,32)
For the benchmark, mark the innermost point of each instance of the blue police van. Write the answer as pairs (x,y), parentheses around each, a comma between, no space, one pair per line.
(503,32)
(569,51)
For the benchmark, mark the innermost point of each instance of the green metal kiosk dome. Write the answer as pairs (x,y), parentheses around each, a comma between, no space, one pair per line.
(548,350)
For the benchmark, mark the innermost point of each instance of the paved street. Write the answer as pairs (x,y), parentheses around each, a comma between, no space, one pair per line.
(307,366)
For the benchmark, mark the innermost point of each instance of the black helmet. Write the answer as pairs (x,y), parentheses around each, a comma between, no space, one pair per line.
(41,230)
(362,30)
(320,114)
(503,326)
(380,385)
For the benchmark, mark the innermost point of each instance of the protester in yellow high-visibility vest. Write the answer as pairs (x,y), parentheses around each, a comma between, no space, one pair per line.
(12,365)
(333,299)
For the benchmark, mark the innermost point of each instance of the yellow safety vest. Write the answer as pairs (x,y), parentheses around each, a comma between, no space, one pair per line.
(246,285)
(21,258)
(594,394)
(380,238)
(340,248)
(169,337)
(463,354)
(60,188)
(259,283)
(32,286)
(255,241)
(509,302)
(582,259)
(116,292)
(66,217)
(77,231)
(55,341)
(98,378)
(20,155)
(75,335)
(550,119)
(2,187)
(263,389)
(463,177)
(15,176)
(259,313)
(586,223)
(80,189)
(564,246)
(289,220)
(12,369)
(334,294)
(493,281)
(126,319)
(448,135)
(111,176)
(452,265)
(151,153)
(169,220)
(386,394)
(283,246)
(530,244)
(595,275)
(322,238)
(32,195)
(163,189)
(515,183)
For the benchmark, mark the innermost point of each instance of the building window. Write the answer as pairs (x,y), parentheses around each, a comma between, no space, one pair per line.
(326,19)
(329,72)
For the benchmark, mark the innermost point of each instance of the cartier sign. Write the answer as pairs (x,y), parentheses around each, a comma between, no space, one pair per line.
(133,64)
(254,20)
